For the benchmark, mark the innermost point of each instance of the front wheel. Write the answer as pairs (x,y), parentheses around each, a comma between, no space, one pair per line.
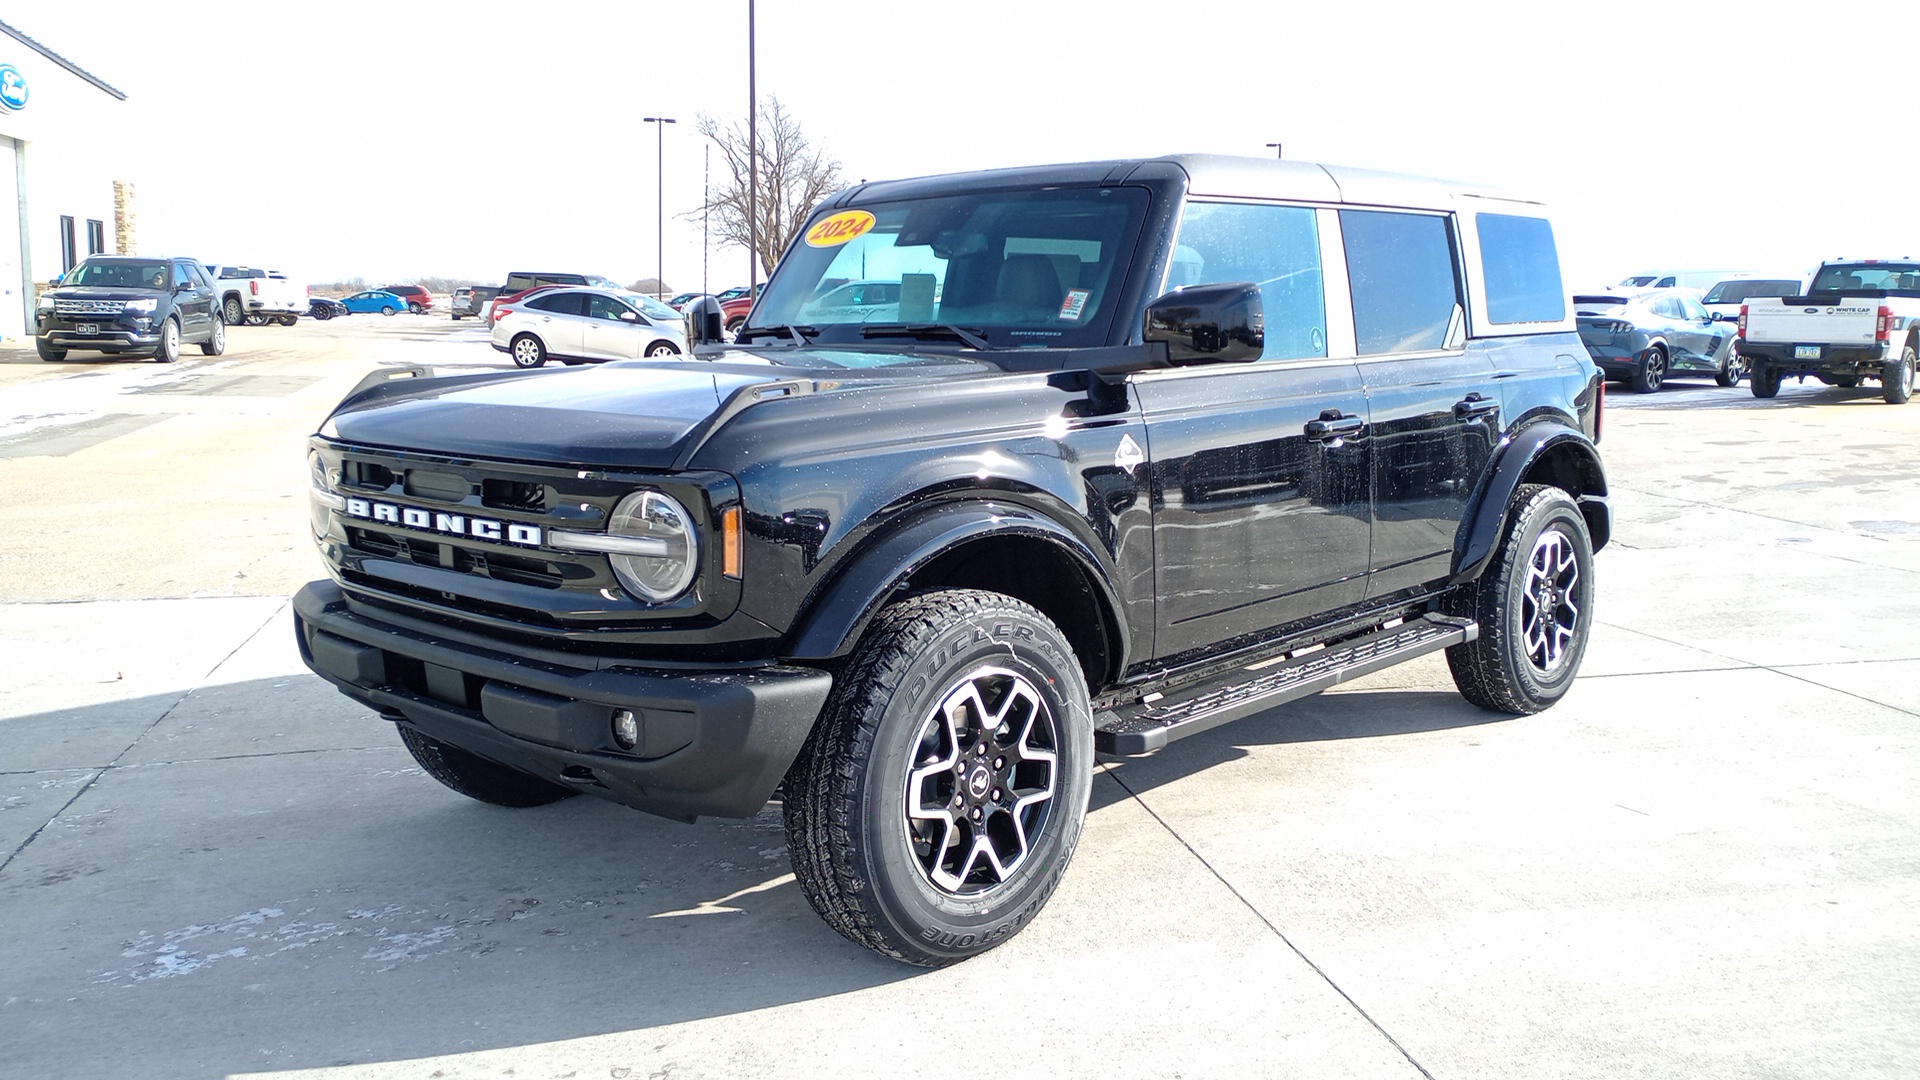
(1652,370)
(169,348)
(48,352)
(476,777)
(939,798)
(1896,379)
(1534,604)
(528,352)
(216,342)
(662,348)
(1764,381)
(323,314)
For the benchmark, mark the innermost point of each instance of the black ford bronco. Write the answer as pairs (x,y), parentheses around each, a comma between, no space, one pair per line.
(1009,472)
(130,305)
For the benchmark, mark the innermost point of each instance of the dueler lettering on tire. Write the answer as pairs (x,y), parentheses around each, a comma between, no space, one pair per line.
(938,801)
(1534,605)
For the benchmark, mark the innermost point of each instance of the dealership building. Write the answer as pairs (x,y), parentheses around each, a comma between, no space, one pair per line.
(62,139)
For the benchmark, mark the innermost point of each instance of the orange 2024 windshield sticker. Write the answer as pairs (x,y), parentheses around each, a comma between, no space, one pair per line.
(840,228)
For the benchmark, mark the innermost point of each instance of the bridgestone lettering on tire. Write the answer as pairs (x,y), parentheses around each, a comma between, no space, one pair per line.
(1534,604)
(476,777)
(939,798)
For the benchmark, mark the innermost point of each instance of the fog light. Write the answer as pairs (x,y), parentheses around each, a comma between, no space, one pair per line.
(626,728)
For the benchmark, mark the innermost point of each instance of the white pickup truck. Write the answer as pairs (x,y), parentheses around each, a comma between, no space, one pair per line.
(1860,319)
(256,297)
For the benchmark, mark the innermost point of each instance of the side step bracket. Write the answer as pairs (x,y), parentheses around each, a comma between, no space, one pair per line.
(1147,726)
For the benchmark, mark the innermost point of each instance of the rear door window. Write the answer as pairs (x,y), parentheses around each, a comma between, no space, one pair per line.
(1276,248)
(1522,269)
(1403,274)
(560,303)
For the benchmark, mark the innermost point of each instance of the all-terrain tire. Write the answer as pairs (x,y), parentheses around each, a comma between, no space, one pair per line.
(1534,604)
(476,777)
(1764,381)
(1896,378)
(904,738)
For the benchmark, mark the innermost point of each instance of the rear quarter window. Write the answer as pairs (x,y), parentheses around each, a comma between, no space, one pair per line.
(1522,269)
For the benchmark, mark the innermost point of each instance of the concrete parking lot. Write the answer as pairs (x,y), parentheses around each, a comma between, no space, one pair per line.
(1703,863)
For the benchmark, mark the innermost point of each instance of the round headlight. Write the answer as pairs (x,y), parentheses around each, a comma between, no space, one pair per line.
(660,570)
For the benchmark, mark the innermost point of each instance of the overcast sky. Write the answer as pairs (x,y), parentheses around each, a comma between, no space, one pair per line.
(402,139)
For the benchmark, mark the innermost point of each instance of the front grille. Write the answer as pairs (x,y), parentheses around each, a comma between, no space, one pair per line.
(89,307)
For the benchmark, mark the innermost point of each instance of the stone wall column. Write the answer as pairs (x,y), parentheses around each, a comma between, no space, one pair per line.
(126,237)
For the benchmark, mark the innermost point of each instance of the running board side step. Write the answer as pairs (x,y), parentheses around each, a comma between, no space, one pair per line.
(1147,726)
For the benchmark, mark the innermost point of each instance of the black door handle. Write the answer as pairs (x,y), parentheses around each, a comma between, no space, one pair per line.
(1475,406)
(1333,426)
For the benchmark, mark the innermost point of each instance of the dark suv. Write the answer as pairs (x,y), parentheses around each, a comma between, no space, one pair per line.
(130,305)
(1128,450)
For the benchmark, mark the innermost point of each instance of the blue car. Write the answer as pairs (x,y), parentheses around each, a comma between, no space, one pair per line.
(373,300)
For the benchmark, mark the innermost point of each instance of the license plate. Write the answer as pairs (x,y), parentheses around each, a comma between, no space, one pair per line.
(86,328)
(1806,352)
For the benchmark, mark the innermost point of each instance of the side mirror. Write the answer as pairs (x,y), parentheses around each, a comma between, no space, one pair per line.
(706,323)
(1204,324)
(628,316)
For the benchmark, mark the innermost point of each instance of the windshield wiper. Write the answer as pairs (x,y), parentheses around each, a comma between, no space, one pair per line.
(928,332)
(799,335)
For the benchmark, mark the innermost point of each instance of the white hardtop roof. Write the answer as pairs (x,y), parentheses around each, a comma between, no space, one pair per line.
(1243,177)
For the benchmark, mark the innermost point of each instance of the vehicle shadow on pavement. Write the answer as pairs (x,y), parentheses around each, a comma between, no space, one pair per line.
(229,906)
(1321,718)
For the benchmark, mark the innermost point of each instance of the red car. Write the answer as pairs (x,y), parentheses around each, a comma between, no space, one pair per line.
(734,312)
(418,299)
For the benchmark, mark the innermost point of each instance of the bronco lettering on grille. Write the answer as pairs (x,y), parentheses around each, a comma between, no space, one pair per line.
(413,517)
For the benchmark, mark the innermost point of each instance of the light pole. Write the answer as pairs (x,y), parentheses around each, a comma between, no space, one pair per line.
(753,165)
(660,212)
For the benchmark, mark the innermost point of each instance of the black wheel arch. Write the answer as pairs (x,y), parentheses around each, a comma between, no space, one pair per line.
(1549,452)
(985,544)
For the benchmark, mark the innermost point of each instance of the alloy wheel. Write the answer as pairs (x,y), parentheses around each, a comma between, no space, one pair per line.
(980,791)
(1549,615)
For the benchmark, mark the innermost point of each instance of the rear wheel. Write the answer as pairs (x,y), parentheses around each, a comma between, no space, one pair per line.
(48,352)
(1732,369)
(1534,604)
(321,313)
(1652,370)
(1764,381)
(528,352)
(939,798)
(233,311)
(216,342)
(414,309)
(288,320)
(387,310)
(476,777)
(1896,378)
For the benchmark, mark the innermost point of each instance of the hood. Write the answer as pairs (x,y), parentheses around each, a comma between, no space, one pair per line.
(628,414)
(103,292)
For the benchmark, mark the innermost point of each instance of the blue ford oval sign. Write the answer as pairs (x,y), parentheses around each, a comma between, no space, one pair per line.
(13,88)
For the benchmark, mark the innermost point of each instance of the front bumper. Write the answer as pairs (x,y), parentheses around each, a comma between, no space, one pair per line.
(714,741)
(116,334)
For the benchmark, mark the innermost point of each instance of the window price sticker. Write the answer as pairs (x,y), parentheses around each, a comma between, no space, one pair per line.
(1075,304)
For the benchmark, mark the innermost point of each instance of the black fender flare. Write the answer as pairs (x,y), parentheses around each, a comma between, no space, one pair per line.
(838,613)
(1579,472)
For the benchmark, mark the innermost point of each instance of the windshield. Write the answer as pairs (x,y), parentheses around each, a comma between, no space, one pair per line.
(118,274)
(1638,280)
(1733,292)
(1017,268)
(1868,278)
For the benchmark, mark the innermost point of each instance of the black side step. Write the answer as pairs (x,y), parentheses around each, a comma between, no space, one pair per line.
(1148,725)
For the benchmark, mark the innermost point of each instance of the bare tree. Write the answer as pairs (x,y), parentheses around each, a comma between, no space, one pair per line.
(794,176)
